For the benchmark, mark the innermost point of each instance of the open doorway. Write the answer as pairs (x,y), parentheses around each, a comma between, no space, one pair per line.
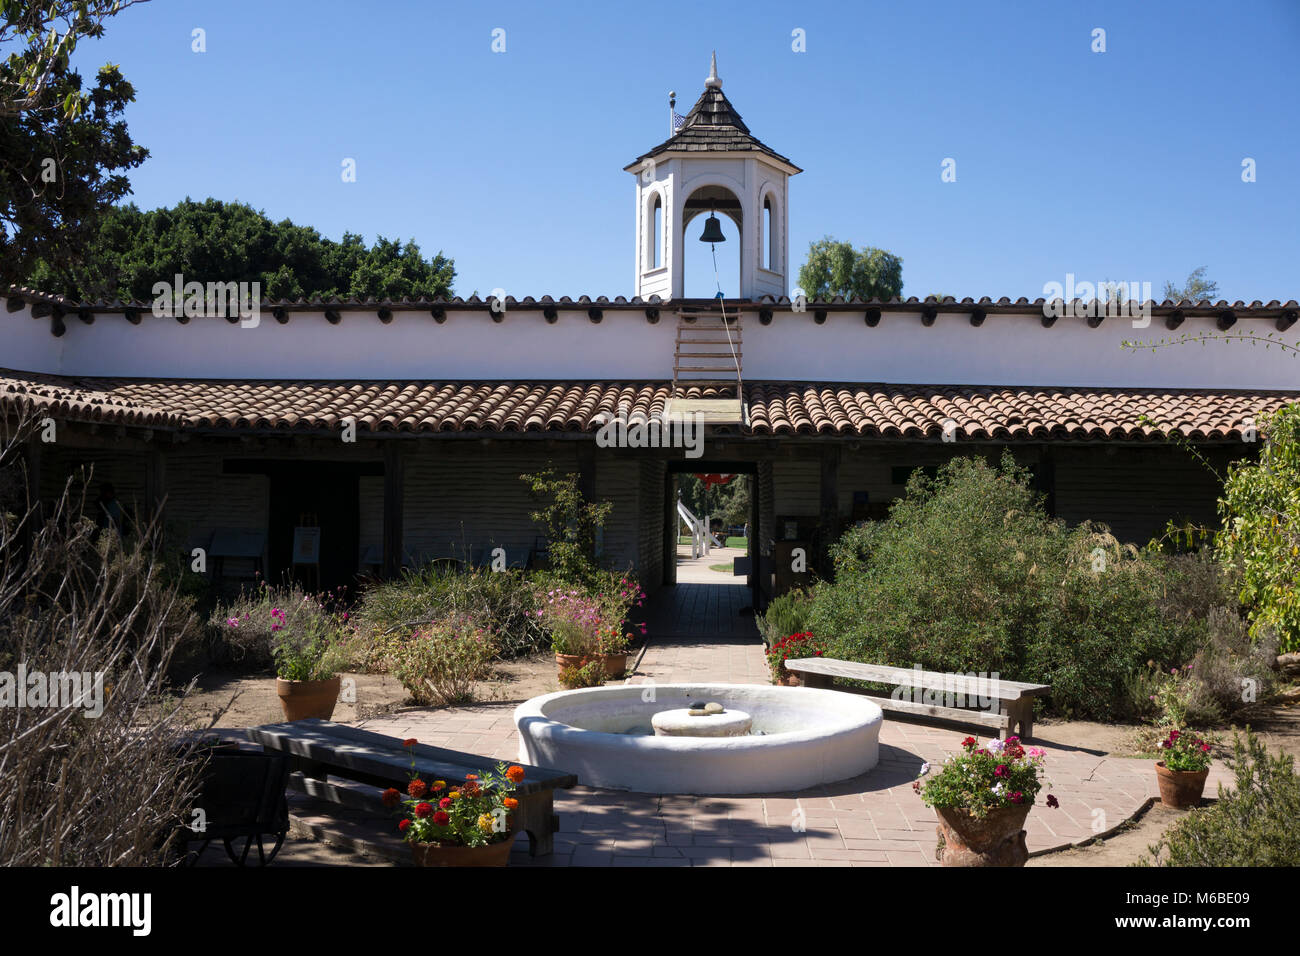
(711,519)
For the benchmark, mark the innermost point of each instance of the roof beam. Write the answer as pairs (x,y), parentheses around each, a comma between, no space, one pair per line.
(1286,320)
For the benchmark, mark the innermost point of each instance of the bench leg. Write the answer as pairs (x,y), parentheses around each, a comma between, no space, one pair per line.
(1020,714)
(536,817)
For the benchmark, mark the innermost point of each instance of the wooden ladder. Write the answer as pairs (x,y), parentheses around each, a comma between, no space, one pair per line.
(703,356)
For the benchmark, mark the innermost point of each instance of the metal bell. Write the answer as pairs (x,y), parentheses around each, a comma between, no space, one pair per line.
(712,230)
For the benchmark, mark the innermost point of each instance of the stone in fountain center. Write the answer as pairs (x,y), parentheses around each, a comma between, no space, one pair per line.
(711,720)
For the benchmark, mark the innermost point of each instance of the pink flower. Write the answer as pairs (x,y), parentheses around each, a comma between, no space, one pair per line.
(233,621)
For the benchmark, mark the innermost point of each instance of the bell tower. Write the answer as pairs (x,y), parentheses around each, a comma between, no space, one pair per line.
(711,163)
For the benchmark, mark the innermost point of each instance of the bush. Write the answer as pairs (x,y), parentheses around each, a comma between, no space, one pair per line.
(1251,825)
(268,625)
(786,615)
(968,573)
(438,665)
(503,602)
(107,791)
(1261,529)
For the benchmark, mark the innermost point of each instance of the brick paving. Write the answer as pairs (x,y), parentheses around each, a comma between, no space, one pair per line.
(871,820)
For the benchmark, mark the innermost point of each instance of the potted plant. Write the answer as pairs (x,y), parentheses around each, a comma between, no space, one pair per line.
(574,621)
(982,797)
(614,639)
(795,646)
(308,657)
(1181,775)
(467,823)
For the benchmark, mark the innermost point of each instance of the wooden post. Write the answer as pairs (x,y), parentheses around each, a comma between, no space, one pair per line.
(156,491)
(829,513)
(394,494)
(670,528)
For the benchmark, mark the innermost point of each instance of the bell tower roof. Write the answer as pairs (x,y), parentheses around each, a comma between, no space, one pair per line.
(713,126)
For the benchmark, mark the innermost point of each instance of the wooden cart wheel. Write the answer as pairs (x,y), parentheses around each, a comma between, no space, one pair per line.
(240,858)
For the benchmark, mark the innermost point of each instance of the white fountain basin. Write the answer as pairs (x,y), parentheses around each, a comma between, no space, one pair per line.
(800,737)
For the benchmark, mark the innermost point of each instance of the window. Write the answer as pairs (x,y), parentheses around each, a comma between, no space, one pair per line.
(657,257)
(768,251)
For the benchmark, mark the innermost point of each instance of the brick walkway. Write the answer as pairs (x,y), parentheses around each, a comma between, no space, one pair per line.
(871,820)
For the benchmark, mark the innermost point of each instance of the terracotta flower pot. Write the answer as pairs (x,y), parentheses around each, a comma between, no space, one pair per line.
(304,699)
(435,854)
(787,679)
(1180,789)
(571,660)
(997,839)
(615,664)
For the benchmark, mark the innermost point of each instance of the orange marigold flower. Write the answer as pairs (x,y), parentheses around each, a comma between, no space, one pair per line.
(471,776)
(417,788)
(510,803)
(515,773)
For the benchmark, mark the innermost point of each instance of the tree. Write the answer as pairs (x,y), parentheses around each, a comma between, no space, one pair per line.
(62,148)
(836,268)
(1196,288)
(216,241)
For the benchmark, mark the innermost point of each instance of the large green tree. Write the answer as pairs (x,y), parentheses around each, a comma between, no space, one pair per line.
(63,145)
(216,241)
(837,268)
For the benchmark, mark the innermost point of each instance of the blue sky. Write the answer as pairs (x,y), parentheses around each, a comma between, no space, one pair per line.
(1123,165)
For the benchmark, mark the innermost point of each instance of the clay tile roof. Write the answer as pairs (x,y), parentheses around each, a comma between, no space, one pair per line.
(859,410)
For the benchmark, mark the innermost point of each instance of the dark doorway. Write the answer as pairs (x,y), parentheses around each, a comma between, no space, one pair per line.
(313,493)
(747,471)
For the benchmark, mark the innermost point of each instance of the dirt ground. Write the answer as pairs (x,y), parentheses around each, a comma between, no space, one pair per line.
(249,699)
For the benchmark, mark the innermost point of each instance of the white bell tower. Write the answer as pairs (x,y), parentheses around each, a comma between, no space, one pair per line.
(711,162)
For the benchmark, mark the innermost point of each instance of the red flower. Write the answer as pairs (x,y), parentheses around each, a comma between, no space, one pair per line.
(1017,797)
(404,825)
(409,742)
(1000,770)
(445,802)
(417,788)
(422,810)
(1052,801)
(968,742)
(440,818)
(391,797)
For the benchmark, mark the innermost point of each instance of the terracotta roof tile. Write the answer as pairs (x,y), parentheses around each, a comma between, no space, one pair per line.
(861,410)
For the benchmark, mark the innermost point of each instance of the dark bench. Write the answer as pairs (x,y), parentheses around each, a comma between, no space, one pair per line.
(1016,699)
(320,749)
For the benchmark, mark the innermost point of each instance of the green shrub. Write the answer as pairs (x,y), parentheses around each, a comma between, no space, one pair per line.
(1251,825)
(785,615)
(968,573)
(271,624)
(503,602)
(438,665)
(1261,529)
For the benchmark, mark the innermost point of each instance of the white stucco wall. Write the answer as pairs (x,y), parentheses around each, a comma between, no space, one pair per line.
(1006,349)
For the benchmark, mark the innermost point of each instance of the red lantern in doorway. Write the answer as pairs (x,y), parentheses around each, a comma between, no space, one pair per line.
(715,479)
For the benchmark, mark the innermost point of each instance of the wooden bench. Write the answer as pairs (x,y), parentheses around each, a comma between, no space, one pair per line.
(1016,700)
(320,749)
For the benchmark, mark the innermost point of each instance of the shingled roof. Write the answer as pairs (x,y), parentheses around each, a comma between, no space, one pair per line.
(844,410)
(712,126)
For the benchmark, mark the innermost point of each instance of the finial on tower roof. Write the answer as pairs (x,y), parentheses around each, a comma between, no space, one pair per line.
(713,82)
